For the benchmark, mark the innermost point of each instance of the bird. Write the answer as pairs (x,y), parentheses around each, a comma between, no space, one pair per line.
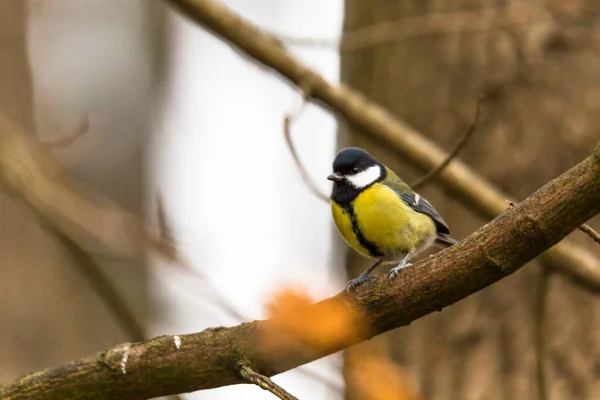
(379,215)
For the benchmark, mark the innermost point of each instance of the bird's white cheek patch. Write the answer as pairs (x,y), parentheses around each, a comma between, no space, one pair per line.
(366,177)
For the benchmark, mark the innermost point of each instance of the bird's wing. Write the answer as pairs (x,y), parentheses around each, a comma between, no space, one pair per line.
(421,205)
(415,201)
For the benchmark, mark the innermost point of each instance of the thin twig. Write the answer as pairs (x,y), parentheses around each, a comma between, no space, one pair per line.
(166,239)
(461,144)
(431,24)
(590,232)
(287,122)
(250,376)
(66,140)
(540,331)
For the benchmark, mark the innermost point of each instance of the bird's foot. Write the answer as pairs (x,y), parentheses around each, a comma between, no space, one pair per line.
(394,271)
(351,285)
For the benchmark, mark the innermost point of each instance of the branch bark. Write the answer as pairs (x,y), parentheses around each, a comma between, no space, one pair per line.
(374,121)
(209,359)
(264,383)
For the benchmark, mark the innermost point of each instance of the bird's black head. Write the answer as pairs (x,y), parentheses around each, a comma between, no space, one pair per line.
(354,170)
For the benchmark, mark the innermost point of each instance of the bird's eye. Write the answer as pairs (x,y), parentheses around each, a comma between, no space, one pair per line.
(355,170)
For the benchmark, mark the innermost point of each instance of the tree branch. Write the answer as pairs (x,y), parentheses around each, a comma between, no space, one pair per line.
(462,22)
(106,290)
(264,383)
(287,133)
(374,121)
(76,132)
(588,230)
(209,359)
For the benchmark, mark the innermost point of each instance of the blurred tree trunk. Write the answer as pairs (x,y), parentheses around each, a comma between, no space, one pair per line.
(538,61)
(49,312)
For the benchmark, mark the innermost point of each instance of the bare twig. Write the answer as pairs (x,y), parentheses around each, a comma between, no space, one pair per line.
(183,363)
(164,226)
(250,376)
(461,144)
(287,122)
(105,289)
(431,24)
(166,240)
(378,124)
(590,232)
(82,127)
(98,225)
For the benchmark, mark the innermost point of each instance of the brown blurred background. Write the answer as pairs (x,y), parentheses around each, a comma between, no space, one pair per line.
(538,64)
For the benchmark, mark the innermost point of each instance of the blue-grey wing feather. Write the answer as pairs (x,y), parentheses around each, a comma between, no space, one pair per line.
(420,204)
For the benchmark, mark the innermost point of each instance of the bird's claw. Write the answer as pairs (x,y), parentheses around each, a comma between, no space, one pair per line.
(394,271)
(351,285)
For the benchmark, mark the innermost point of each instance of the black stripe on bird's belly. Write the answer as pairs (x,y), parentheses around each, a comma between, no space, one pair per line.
(364,242)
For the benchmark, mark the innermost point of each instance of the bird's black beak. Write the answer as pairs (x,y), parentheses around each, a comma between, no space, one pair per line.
(335,177)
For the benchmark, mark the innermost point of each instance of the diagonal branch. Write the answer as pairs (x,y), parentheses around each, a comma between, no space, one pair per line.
(588,230)
(76,132)
(264,382)
(287,134)
(209,359)
(461,22)
(377,123)
(103,286)
(92,221)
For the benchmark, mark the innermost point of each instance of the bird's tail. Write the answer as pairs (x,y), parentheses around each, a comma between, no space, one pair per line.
(445,240)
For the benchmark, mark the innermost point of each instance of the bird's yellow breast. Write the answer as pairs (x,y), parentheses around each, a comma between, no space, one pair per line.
(383,220)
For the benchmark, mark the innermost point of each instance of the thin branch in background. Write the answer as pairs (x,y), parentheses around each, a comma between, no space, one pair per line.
(432,24)
(540,331)
(287,123)
(250,376)
(461,144)
(166,240)
(81,128)
(288,40)
(102,285)
(590,232)
(164,226)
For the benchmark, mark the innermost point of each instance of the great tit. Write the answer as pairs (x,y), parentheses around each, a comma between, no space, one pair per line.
(379,215)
